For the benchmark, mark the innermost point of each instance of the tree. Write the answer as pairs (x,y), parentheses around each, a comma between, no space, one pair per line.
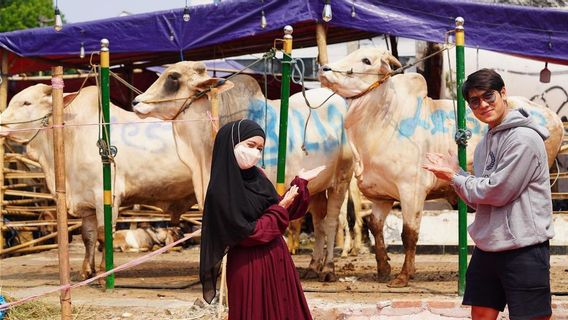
(24,14)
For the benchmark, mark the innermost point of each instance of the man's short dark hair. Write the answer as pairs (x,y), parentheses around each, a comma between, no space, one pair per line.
(483,79)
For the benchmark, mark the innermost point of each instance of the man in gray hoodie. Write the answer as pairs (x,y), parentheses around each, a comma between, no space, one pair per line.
(510,191)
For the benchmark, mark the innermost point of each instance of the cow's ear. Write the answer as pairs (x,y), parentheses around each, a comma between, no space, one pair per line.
(221,84)
(68,97)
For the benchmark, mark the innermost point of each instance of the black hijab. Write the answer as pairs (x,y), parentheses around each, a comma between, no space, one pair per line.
(235,199)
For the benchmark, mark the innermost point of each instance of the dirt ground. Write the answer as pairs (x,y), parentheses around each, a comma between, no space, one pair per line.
(166,287)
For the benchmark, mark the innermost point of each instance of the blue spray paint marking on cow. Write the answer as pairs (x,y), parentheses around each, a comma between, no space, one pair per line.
(145,136)
(538,117)
(437,123)
(325,142)
(407,127)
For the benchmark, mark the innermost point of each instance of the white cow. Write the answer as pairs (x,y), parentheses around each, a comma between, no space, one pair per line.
(148,169)
(390,128)
(325,140)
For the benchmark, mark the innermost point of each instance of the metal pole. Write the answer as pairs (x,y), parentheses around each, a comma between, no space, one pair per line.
(105,156)
(462,207)
(3,105)
(284,96)
(60,198)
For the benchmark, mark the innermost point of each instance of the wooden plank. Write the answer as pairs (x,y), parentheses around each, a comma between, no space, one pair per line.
(559,195)
(20,214)
(22,185)
(28,194)
(29,209)
(19,157)
(22,201)
(37,223)
(24,175)
(42,247)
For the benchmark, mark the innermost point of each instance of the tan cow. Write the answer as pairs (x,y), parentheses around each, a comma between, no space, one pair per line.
(148,169)
(324,141)
(390,128)
(144,239)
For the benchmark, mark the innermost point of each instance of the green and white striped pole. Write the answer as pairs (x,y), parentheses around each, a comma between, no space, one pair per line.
(462,144)
(105,156)
(285,94)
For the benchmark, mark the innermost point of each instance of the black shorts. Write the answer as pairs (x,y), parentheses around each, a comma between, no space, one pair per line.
(518,278)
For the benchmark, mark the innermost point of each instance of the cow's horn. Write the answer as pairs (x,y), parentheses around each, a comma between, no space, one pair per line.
(394,61)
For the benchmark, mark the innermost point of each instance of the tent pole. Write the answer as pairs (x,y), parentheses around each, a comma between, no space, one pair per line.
(321,39)
(462,144)
(3,105)
(60,192)
(284,96)
(106,159)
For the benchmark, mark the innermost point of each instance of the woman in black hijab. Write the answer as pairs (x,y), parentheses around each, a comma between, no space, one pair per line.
(245,217)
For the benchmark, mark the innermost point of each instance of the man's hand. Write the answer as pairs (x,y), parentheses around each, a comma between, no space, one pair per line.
(309,175)
(443,166)
(289,197)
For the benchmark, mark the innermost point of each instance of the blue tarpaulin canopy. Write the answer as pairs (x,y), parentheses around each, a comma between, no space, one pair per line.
(233,28)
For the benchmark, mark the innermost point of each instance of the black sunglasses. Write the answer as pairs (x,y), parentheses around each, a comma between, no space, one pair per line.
(488,96)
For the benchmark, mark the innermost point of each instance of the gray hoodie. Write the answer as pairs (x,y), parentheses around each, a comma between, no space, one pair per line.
(510,188)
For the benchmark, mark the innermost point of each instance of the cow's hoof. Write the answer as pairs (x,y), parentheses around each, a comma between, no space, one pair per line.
(383,272)
(328,273)
(398,282)
(310,274)
(354,252)
(344,254)
(327,277)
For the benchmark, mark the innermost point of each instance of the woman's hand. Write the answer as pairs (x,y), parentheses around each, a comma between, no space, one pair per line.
(309,175)
(289,197)
(443,166)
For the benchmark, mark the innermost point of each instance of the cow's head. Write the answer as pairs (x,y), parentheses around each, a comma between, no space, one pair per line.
(170,93)
(29,104)
(353,74)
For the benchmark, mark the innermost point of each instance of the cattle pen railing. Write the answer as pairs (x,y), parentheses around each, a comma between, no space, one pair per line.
(29,211)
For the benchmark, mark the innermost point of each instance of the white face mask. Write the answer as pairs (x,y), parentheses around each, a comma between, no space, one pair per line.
(246,157)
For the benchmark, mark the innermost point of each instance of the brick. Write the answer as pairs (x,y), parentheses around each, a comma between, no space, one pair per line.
(442,304)
(407,304)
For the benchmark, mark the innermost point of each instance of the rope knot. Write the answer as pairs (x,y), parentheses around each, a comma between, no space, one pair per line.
(461,137)
(105,151)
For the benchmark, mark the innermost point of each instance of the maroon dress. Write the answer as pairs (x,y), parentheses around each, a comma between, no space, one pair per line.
(261,277)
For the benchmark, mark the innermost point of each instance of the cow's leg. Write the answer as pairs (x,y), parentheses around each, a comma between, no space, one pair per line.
(335,199)
(379,214)
(358,230)
(89,236)
(176,209)
(318,204)
(343,238)
(355,196)
(294,229)
(411,215)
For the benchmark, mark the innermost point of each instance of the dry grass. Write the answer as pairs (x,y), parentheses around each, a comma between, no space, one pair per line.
(40,310)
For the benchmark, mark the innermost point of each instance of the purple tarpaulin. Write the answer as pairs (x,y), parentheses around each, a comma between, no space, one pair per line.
(233,28)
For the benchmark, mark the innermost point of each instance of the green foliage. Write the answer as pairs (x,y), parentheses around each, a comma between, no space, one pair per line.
(24,14)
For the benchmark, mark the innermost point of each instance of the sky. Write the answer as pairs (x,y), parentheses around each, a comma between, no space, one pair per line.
(84,10)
